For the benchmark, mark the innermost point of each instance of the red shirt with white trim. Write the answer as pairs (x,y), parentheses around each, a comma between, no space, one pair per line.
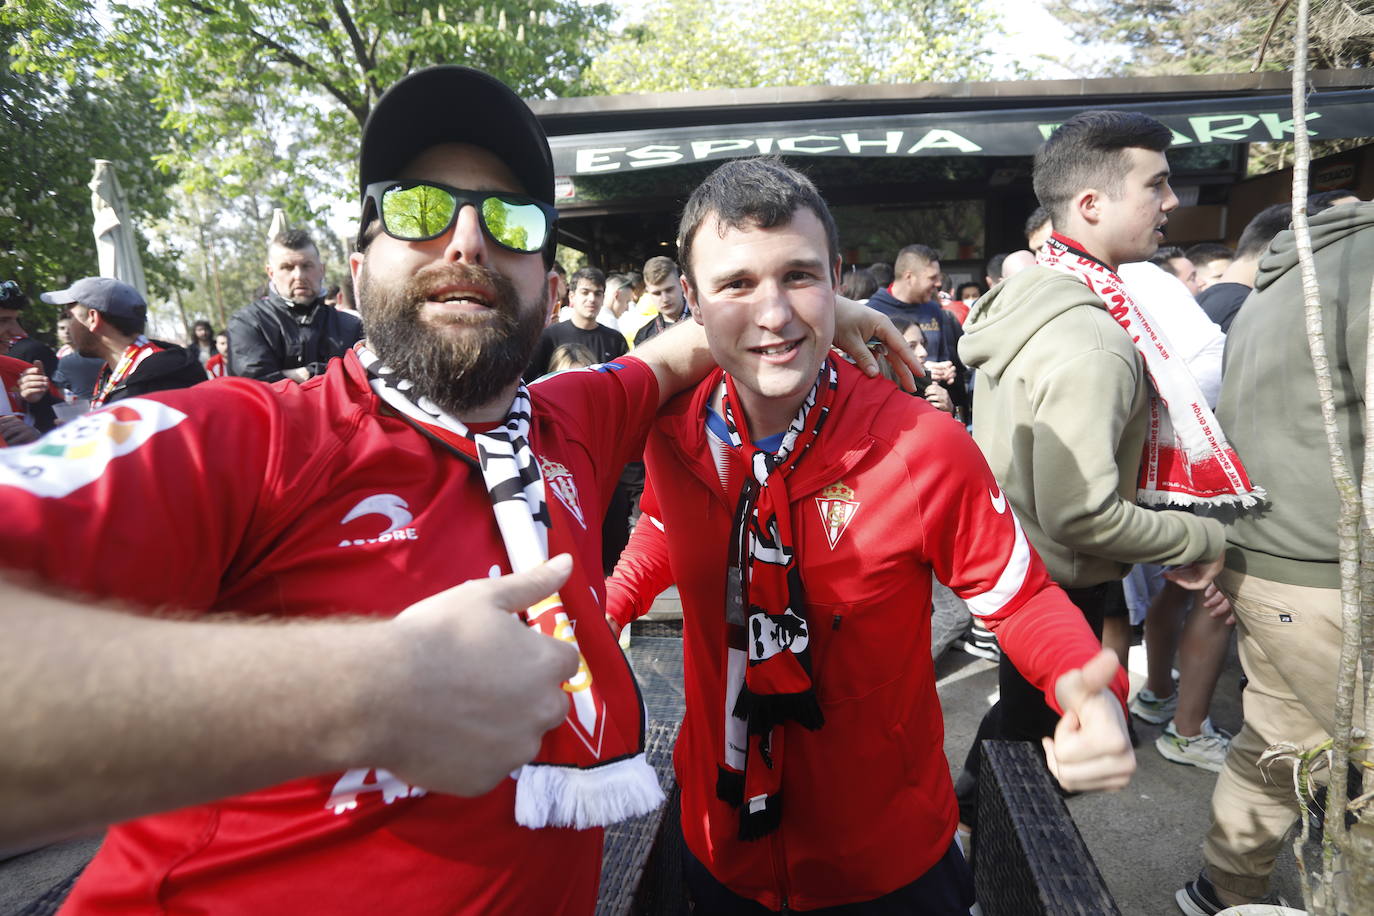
(314,502)
(891,494)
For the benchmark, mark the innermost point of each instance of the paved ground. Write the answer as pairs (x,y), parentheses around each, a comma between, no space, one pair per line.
(1145,839)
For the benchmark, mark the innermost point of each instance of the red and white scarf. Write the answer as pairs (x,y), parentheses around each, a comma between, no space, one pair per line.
(768,658)
(591,770)
(1187,460)
(111,378)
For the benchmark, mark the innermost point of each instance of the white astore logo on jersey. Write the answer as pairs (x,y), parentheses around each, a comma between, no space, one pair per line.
(394,509)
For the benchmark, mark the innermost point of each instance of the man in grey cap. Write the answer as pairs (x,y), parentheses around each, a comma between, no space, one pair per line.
(338,499)
(108,319)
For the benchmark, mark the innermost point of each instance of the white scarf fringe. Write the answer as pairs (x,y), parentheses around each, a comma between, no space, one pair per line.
(560,796)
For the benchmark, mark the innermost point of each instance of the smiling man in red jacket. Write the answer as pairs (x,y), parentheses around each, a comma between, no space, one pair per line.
(803,511)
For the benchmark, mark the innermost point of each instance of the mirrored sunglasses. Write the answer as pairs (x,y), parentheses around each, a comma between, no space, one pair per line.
(417,211)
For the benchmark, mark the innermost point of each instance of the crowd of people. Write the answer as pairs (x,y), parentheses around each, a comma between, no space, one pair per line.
(462,491)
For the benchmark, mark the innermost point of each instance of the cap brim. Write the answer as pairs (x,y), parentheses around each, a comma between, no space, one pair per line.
(60,297)
(450,104)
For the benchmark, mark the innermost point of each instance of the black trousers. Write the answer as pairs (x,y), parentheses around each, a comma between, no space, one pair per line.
(946,889)
(1021,713)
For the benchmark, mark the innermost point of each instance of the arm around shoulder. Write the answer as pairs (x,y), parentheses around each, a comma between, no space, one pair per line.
(125,715)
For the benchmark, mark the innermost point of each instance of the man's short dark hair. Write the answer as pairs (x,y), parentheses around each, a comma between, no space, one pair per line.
(1262,228)
(124,324)
(659,269)
(1089,151)
(761,193)
(559,269)
(994,270)
(294,240)
(1164,255)
(1204,253)
(1037,219)
(597,278)
(913,257)
(882,273)
(858,284)
(1325,200)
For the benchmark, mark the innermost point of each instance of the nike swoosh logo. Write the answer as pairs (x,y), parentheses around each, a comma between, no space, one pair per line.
(999,500)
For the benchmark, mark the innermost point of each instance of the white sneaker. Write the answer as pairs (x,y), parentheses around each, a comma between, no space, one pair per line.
(1206,750)
(1145,705)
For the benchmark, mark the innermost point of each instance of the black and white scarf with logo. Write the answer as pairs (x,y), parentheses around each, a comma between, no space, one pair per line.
(568,784)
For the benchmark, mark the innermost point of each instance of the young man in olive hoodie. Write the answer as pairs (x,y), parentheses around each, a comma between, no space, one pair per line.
(1282,571)
(1060,404)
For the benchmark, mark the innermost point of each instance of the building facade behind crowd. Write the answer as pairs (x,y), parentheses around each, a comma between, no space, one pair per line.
(290,332)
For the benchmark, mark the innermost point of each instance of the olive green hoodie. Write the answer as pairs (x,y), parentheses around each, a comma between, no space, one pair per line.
(1059,407)
(1269,406)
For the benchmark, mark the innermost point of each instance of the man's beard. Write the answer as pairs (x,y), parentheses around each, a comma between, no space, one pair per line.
(458,372)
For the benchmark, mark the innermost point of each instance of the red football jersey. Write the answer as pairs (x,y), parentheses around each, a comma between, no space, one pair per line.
(306,500)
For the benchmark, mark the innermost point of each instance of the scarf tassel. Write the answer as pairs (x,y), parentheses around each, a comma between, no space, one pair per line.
(760,817)
(560,796)
(729,786)
(763,712)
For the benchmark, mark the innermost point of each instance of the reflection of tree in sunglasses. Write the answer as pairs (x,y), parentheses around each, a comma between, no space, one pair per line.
(10,290)
(424,212)
(494,213)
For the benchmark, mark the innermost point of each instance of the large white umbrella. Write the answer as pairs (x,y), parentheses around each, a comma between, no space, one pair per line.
(114,231)
(278,225)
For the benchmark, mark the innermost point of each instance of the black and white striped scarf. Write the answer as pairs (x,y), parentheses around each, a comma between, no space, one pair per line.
(568,784)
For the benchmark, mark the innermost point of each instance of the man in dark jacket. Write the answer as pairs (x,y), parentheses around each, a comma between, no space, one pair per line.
(108,318)
(912,296)
(290,332)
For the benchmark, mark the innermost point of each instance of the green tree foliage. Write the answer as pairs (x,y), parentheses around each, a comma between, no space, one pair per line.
(63,107)
(1180,37)
(277,92)
(726,44)
(258,105)
(1168,37)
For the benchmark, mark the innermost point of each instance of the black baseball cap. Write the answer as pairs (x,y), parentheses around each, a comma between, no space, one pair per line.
(450,104)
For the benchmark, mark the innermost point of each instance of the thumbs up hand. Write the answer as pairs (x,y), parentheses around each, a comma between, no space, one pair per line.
(1091,749)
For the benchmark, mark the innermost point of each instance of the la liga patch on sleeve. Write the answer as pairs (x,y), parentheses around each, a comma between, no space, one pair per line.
(77,453)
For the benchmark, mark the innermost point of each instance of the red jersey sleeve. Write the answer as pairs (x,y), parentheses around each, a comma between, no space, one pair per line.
(975,545)
(145,501)
(608,408)
(643,570)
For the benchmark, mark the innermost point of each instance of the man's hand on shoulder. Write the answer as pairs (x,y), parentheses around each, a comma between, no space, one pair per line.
(476,688)
(857,324)
(1091,748)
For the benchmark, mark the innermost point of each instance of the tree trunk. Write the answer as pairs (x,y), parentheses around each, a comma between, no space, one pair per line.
(1331,890)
